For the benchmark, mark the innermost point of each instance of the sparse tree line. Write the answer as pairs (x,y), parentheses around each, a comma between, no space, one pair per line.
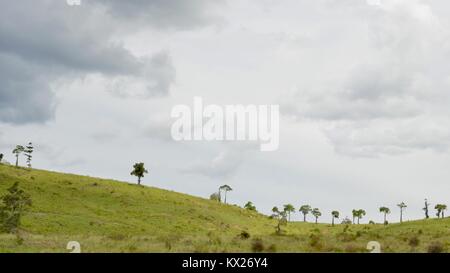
(284,216)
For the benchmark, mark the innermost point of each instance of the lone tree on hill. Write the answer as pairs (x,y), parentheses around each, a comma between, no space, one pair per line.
(17,151)
(316,213)
(226,189)
(305,209)
(334,215)
(402,206)
(139,171)
(385,211)
(289,209)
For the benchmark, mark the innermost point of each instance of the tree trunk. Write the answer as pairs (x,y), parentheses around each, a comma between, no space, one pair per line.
(316,220)
(17,160)
(225,197)
(332,221)
(139,180)
(401,215)
(358,220)
(289,216)
(304,218)
(384,218)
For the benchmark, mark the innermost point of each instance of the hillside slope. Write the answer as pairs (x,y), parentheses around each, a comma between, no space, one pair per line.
(109,216)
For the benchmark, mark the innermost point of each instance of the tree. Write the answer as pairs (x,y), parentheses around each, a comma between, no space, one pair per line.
(226,189)
(215,197)
(29,153)
(250,206)
(402,206)
(281,217)
(334,214)
(139,171)
(305,209)
(354,214)
(17,151)
(440,210)
(361,214)
(12,207)
(346,221)
(316,213)
(1,158)
(358,214)
(386,211)
(426,209)
(289,209)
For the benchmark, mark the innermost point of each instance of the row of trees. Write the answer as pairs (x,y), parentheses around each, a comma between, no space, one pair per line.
(357,214)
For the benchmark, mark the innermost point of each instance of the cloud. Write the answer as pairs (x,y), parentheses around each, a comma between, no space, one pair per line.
(226,163)
(45,42)
(393,100)
(165,14)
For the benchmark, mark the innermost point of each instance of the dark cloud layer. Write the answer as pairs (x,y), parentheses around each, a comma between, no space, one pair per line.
(41,42)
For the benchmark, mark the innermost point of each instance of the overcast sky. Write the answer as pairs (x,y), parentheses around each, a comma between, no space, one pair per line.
(363,88)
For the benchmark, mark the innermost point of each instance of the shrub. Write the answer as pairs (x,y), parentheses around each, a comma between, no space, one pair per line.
(12,207)
(244,235)
(257,245)
(414,242)
(435,247)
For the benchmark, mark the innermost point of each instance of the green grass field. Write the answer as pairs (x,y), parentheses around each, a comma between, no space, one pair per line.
(110,216)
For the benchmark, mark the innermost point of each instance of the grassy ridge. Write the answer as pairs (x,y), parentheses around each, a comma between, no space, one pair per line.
(108,216)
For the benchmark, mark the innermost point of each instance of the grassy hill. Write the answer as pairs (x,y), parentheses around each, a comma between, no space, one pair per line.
(109,216)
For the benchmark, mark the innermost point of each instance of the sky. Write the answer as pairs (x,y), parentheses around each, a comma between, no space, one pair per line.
(362,85)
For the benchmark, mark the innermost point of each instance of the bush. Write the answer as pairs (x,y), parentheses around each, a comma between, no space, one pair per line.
(436,247)
(414,242)
(244,235)
(12,207)
(258,245)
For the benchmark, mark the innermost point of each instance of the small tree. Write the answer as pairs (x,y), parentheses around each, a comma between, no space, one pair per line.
(17,151)
(334,215)
(385,211)
(249,206)
(354,214)
(316,213)
(305,209)
(29,153)
(289,209)
(139,171)
(426,209)
(1,158)
(12,207)
(402,206)
(346,221)
(226,189)
(440,210)
(215,197)
(281,217)
(358,214)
